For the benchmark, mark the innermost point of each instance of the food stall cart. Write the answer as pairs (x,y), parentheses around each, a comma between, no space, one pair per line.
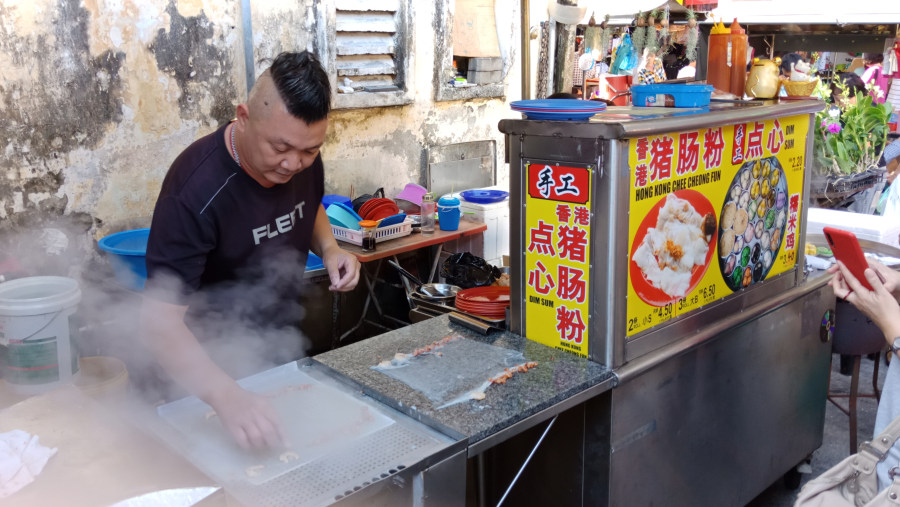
(722,359)
(702,388)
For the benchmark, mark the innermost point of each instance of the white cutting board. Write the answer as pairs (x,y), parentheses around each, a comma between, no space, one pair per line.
(317,419)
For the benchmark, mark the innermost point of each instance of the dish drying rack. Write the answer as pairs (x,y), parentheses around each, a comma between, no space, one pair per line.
(381,234)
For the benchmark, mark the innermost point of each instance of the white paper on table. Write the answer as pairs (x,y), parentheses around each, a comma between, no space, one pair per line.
(22,458)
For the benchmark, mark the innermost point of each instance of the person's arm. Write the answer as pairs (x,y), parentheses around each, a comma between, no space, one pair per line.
(888,277)
(878,305)
(250,418)
(342,266)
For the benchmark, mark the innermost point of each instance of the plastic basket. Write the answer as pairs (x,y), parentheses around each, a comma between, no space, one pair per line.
(381,234)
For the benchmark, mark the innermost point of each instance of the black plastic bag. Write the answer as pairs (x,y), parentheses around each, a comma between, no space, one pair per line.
(467,271)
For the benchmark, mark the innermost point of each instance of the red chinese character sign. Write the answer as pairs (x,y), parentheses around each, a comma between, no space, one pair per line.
(711,212)
(557,255)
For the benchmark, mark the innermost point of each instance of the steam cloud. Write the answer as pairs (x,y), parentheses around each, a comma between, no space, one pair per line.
(246,326)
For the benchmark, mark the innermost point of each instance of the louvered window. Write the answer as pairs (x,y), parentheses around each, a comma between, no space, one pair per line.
(367,49)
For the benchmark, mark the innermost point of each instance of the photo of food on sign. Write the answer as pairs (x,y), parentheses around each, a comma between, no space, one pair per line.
(752,222)
(673,247)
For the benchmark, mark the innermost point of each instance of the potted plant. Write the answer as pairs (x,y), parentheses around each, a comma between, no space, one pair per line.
(848,139)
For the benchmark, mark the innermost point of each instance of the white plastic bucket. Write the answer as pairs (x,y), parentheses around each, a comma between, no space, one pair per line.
(39,353)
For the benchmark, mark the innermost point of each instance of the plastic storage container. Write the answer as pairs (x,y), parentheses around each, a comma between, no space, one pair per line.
(127,254)
(493,244)
(36,326)
(671,95)
(448,213)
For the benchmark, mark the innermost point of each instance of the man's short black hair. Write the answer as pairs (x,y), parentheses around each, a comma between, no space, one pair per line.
(303,85)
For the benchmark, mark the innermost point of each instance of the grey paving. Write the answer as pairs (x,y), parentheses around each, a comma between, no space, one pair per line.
(836,440)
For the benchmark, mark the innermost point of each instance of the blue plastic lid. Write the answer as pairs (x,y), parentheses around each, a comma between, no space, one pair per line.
(448,202)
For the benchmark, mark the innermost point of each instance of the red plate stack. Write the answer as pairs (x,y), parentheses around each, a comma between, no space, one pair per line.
(485,301)
(378,208)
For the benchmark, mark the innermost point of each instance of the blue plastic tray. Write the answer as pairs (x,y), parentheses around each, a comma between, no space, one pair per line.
(558,109)
(484,196)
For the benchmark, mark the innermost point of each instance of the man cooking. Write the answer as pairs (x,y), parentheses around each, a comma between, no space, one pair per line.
(237,213)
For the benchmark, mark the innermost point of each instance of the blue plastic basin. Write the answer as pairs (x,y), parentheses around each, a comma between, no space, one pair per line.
(127,252)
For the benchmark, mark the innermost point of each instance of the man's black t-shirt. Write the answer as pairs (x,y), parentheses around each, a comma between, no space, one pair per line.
(222,235)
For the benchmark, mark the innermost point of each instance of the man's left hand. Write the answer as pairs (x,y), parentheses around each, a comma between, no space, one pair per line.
(343,269)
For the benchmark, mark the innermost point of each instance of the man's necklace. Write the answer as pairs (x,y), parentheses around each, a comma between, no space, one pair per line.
(234,149)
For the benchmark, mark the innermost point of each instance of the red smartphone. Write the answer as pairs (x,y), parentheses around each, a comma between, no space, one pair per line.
(846,249)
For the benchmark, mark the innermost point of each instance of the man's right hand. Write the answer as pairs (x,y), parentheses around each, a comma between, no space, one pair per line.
(249,417)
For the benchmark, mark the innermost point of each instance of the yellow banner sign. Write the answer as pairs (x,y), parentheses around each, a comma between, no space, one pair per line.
(712,211)
(557,255)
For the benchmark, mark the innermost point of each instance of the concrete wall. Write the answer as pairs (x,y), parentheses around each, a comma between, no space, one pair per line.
(97,97)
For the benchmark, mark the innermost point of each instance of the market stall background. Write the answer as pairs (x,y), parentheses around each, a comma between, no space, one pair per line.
(100,97)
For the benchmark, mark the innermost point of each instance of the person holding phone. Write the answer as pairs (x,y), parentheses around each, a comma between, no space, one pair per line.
(880,305)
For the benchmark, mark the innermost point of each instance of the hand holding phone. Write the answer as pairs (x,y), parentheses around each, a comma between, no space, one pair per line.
(846,249)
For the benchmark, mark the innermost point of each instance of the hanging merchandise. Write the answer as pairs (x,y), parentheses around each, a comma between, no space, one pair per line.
(692,37)
(592,42)
(651,40)
(605,36)
(640,31)
(586,61)
(664,31)
(626,58)
(891,68)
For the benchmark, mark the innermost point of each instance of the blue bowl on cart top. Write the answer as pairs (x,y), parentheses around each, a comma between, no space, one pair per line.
(671,95)
(127,253)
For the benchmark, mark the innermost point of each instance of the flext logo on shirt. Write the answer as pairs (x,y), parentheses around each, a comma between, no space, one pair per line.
(280,225)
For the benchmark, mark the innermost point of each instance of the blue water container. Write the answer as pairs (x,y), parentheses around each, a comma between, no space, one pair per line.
(448,213)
